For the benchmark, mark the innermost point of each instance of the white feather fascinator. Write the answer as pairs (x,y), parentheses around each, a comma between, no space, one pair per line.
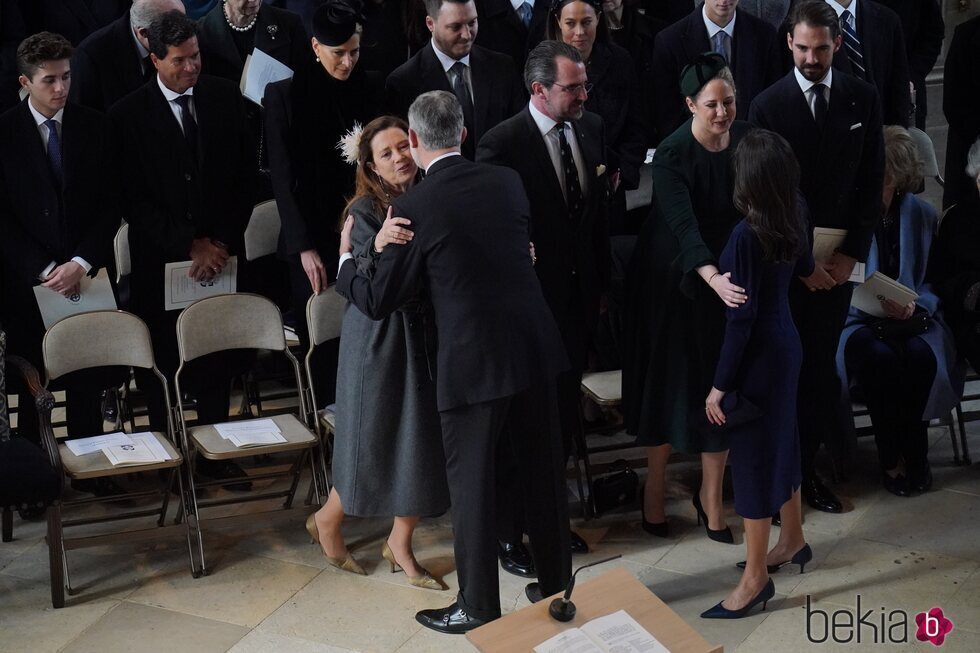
(350,143)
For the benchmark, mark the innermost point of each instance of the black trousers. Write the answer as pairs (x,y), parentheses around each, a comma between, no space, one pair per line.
(527,423)
(819,317)
(896,377)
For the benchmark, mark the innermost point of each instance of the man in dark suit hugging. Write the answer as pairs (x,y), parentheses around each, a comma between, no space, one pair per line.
(499,352)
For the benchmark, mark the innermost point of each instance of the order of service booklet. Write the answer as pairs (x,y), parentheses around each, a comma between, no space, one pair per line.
(616,632)
(868,296)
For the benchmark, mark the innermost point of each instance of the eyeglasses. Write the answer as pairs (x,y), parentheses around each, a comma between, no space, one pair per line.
(575,89)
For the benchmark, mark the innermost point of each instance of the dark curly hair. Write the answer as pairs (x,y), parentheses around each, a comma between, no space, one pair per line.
(38,48)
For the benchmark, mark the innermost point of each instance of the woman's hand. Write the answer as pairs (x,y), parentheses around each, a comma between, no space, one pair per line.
(712,407)
(732,295)
(819,280)
(314,269)
(392,234)
(896,311)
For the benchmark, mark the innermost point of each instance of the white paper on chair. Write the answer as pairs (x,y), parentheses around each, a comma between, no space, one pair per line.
(135,453)
(255,439)
(260,71)
(85,446)
(614,632)
(250,433)
(152,444)
(180,291)
(94,294)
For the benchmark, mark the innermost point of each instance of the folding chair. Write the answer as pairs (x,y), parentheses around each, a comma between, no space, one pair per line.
(85,341)
(221,323)
(262,232)
(325,317)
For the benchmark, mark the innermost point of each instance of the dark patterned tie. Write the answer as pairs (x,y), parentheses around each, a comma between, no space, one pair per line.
(852,44)
(721,43)
(188,123)
(462,91)
(524,11)
(819,104)
(573,188)
(54,150)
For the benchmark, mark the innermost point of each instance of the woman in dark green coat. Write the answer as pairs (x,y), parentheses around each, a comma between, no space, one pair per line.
(676,296)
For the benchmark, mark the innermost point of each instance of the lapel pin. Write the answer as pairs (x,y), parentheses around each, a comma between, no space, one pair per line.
(272,30)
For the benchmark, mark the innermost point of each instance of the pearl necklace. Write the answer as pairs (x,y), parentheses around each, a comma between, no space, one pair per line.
(235,27)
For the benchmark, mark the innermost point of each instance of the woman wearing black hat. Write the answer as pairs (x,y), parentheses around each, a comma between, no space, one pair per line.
(305,118)
(676,295)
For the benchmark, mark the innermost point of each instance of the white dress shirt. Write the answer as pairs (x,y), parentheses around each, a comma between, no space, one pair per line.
(809,92)
(447,63)
(42,129)
(713,28)
(853,8)
(517,3)
(546,126)
(171,97)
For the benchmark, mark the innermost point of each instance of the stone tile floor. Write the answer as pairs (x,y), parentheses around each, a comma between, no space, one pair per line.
(270,590)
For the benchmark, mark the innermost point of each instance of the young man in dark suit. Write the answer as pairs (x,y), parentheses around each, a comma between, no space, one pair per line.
(833,123)
(749,44)
(182,149)
(569,225)
(485,82)
(115,60)
(511,28)
(498,352)
(57,212)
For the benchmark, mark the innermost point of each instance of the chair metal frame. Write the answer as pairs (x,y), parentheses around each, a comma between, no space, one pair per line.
(193,505)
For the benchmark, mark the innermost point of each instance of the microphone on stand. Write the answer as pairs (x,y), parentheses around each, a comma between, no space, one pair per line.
(563,609)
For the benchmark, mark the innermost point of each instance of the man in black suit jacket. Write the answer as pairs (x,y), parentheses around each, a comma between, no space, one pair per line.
(498,351)
(503,28)
(115,60)
(961,97)
(485,82)
(753,54)
(57,213)
(924,31)
(571,244)
(833,123)
(182,149)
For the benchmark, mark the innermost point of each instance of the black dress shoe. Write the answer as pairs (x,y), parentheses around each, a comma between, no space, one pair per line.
(723,535)
(897,485)
(100,487)
(578,544)
(452,620)
(657,529)
(921,479)
(819,497)
(221,469)
(516,559)
(533,592)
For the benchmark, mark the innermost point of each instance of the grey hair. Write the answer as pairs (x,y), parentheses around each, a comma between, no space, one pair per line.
(541,65)
(144,12)
(973,160)
(437,118)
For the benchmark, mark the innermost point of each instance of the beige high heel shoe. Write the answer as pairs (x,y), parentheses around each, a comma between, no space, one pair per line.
(345,564)
(425,580)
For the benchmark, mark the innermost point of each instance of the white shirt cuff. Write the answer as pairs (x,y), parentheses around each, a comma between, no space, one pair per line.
(343,257)
(85,264)
(46,271)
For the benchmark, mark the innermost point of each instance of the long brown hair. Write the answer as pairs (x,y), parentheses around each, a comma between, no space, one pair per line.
(367,182)
(767,180)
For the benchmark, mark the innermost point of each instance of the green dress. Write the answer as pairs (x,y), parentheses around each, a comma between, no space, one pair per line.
(674,323)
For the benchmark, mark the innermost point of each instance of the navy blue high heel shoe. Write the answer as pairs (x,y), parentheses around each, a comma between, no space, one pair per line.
(720,612)
(801,558)
(723,535)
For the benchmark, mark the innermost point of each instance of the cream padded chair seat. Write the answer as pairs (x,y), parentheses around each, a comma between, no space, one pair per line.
(95,465)
(327,419)
(212,446)
(604,388)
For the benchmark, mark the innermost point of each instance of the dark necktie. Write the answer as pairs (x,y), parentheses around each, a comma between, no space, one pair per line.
(852,45)
(720,42)
(573,188)
(462,91)
(525,11)
(819,104)
(188,123)
(54,151)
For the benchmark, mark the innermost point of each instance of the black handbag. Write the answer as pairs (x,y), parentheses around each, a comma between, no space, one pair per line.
(738,412)
(889,329)
(615,489)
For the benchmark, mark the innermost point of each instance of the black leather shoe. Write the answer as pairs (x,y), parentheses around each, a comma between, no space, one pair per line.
(533,592)
(452,620)
(819,497)
(897,485)
(220,469)
(578,544)
(921,480)
(516,559)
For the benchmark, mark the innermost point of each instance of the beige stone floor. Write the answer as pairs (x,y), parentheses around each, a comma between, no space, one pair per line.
(270,590)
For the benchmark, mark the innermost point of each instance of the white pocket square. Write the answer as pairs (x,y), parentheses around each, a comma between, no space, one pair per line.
(600,170)
(856,125)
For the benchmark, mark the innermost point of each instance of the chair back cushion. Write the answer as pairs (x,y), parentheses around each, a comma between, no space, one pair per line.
(325,315)
(238,321)
(262,232)
(96,339)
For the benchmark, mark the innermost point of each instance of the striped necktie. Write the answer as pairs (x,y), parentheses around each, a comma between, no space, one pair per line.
(852,44)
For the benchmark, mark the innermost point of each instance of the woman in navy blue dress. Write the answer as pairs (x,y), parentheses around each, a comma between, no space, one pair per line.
(760,361)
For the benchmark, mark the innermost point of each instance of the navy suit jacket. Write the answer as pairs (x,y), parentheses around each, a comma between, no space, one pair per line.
(842,164)
(756,63)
